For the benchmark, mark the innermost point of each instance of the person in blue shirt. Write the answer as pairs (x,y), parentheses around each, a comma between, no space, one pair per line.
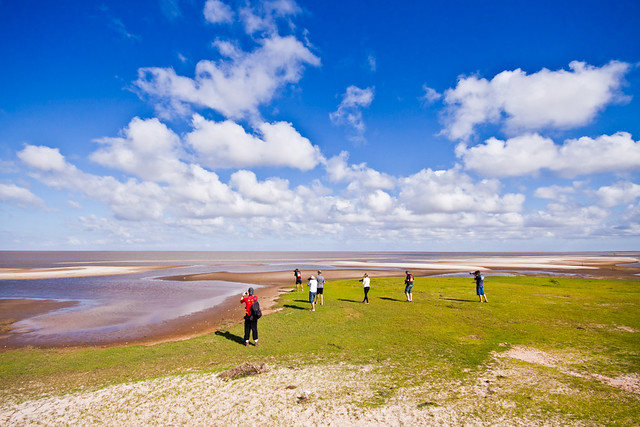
(479,278)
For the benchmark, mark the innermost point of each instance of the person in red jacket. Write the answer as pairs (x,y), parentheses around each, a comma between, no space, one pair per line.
(250,324)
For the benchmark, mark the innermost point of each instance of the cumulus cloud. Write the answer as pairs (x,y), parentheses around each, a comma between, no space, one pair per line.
(451,190)
(528,154)
(128,200)
(43,158)
(272,191)
(349,111)
(227,145)
(556,193)
(234,88)
(20,196)
(217,12)
(358,176)
(147,149)
(546,99)
(521,155)
(620,193)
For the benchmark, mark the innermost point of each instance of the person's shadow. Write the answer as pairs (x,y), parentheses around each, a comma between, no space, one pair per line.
(347,300)
(391,299)
(231,337)
(456,299)
(297,307)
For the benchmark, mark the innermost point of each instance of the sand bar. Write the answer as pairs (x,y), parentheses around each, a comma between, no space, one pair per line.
(75,271)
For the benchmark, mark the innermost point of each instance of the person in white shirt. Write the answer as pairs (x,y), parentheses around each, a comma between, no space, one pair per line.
(313,289)
(366,283)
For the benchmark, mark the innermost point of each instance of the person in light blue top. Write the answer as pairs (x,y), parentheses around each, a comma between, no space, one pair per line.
(479,278)
(321,282)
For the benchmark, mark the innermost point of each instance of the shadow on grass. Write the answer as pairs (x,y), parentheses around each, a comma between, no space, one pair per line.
(392,299)
(231,337)
(347,300)
(461,300)
(297,307)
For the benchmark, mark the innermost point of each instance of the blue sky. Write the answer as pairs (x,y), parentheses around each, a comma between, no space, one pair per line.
(320,125)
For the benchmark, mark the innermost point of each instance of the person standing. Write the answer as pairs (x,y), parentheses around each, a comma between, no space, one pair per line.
(321,282)
(366,284)
(313,289)
(298,276)
(479,278)
(408,286)
(250,323)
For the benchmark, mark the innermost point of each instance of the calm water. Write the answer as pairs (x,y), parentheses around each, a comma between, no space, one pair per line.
(119,304)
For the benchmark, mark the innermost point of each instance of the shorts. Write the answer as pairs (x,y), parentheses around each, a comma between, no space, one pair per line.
(320,291)
(312,297)
(298,281)
(408,289)
(479,290)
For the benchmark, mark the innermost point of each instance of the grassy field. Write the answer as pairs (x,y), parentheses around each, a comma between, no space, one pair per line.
(541,349)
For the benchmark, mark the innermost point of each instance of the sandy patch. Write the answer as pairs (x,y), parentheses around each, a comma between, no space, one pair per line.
(327,395)
(627,382)
(530,355)
(512,262)
(76,271)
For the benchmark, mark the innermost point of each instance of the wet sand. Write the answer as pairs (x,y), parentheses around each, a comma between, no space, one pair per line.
(276,282)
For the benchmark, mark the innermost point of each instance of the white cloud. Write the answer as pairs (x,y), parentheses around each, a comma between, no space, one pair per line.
(262,17)
(451,191)
(349,111)
(130,200)
(273,191)
(430,95)
(546,99)
(227,145)
(20,196)
(528,154)
(620,193)
(379,201)
(357,176)
(556,193)
(43,158)
(234,88)
(217,12)
(521,155)
(607,153)
(147,149)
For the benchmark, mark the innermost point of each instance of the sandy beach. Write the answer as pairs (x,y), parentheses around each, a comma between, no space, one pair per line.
(275,282)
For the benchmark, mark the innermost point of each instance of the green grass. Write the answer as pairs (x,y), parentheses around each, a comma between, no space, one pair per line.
(444,337)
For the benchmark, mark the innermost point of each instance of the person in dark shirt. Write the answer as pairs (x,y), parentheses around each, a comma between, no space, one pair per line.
(479,278)
(408,286)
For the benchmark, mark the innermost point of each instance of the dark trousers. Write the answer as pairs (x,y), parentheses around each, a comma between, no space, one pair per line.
(366,292)
(250,326)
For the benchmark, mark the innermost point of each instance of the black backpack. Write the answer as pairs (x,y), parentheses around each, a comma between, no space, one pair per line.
(256,313)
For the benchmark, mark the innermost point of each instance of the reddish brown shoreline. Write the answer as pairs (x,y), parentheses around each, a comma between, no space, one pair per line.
(231,312)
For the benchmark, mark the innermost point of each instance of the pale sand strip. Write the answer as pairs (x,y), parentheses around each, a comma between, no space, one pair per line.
(511,262)
(75,271)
